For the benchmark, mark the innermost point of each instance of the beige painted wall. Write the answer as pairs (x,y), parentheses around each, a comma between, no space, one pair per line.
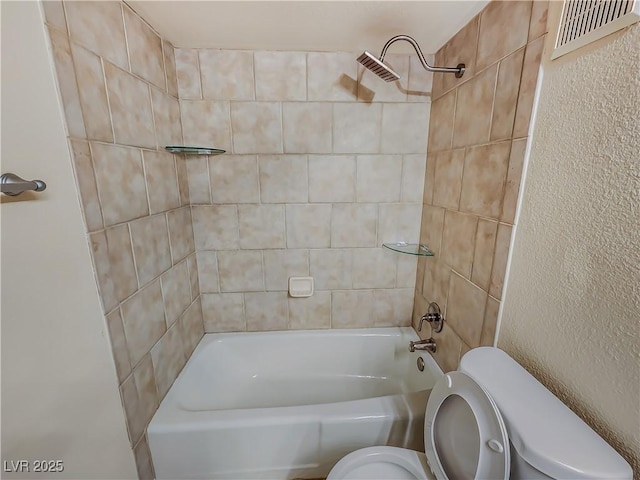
(59,388)
(572,305)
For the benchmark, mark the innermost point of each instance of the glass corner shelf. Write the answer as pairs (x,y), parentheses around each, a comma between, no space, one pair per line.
(417,249)
(189,150)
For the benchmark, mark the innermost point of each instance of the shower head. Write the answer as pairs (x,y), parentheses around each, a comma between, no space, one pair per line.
(377,67)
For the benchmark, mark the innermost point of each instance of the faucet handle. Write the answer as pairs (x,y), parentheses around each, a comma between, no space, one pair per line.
(434,317)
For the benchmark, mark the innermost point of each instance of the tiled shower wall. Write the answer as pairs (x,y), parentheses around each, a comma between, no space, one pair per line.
(324,164)
(477,139)
(118,85)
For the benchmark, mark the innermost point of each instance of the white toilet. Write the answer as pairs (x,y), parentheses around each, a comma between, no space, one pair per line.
(492,420)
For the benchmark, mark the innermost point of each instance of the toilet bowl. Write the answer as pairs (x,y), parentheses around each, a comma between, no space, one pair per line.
(492,420)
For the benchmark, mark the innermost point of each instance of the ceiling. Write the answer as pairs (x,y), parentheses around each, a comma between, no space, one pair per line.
(349,26)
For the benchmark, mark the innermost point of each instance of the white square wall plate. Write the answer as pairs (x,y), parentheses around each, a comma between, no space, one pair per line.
(300,286)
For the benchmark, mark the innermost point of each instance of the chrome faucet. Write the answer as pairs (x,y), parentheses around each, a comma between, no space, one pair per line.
(429,344)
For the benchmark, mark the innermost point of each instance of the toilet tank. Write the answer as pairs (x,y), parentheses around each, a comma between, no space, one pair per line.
(543,431)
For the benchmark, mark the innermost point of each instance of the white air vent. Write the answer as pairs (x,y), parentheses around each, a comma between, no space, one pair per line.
(584,21)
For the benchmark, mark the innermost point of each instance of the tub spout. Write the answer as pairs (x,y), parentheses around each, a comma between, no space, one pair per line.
(429,344)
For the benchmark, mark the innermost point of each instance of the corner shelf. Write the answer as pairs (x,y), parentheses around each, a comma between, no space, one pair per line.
(190,150)
(417,249)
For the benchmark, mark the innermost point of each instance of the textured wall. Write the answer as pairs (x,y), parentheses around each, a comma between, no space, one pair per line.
(324,163)
(572,308)
(477,141)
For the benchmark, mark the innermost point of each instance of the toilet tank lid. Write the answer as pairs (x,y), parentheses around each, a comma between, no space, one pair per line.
(542,429)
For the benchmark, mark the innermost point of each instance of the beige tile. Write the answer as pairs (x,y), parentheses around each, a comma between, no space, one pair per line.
(371,88)
(83,167)
(483,256)
(279,265)
(144,322)
(66,77)
(132,408)
(465,309)
(223,312)
(150,239)
(506,97)
(234,179)
(504,27)
(458,239)
(308,226)
(374,268)
(406,271)
(405,127)
(93,94)
(198,179)
(331,268)
(530,69)
(144,465)
(413,172)
(485,172)
(420,306)
(118,345)
(215,227)
(226,74)
(54,14)
(441,122)
(120,181)
(351,309)
(192,264)
(283,178)
(354,225)
(166,115)
(99,27)
(240,271)
(432,226)
(176,292)
(208,271)
(205,123)
(331,76)
(162,182)
(460,49)
(307,127)
(257,127)
(113,260)
(447,185)
(435,286)
(191,327)
(280,75)
(266,311)
(130,104)
(422,265)
(379,178)
(399,222)
(332,178)
(392,308)
(490,322)
(188,74)
(429,180)
(539,13)
(183,180)
(420,80)
(261,226)
(310,313)
(357,127)
(514,178)
(503,242)
(180,233)
(145,50)
(168,359)
(170,68)
(474,109)
(147,389)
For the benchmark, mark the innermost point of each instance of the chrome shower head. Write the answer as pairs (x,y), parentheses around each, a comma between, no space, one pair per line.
(377,67)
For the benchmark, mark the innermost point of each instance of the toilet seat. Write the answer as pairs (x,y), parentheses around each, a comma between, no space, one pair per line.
(464,433)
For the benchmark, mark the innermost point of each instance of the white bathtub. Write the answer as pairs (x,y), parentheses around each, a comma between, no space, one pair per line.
(289,404)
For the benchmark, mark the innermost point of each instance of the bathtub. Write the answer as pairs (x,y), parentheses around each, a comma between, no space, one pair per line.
(289,404)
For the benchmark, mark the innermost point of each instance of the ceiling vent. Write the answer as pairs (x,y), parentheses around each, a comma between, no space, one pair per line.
(585,21)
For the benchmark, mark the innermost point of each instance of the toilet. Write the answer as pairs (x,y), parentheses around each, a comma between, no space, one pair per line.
(492,420)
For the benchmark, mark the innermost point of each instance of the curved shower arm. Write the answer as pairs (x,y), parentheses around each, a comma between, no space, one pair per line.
(458,70)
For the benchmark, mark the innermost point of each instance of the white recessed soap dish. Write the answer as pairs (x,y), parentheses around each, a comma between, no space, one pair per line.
(300,287)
